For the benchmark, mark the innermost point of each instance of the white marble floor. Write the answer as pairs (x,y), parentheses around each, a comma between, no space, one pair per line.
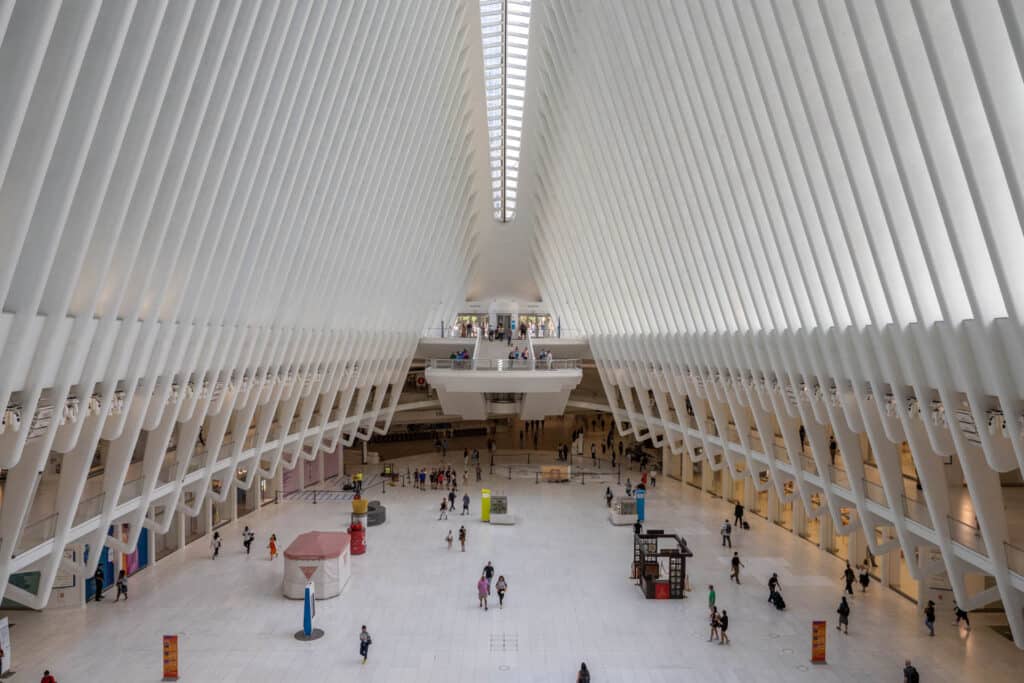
(569,600)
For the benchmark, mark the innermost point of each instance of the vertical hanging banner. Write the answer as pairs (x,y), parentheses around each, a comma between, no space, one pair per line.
(170,658)
(819,631)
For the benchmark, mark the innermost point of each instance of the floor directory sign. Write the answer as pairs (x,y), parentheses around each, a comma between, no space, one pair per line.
(819,629)
(170,658)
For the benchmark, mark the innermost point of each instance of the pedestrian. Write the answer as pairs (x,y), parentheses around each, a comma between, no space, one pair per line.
(848,577)
(608,496)
(501,587)
(910,674)
(929,617)
(465,503)
(444,509)
(654,480)
(844,616)
(489,574)
(961,615)
(738,515)
(714,624)
(726,531)
(584,674)
(365,641)
(449,539)
(215,544)
(736,564)
(462,538)
(773,585)
(465,457)
(711,596)
(481,590)
(272,546)
(122,586)
(865,578)
(723,627)
(629,487)
(247,539)
(48,678)
(98,577)
(479,471)
(593,453)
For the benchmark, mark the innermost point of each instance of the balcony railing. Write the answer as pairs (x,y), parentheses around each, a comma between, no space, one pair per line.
(917,510)
(504,364)
(839,477)
(875,493)
(966,535)
(1015,558)
(37,532)
(808,464)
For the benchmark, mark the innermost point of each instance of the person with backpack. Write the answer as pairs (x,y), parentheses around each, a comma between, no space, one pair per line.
(848,577)
(773,586)
(365,641)
(736,564)
(844,616)
(929,617)
(910,674)
(584,674)
(726,532)
(122,586)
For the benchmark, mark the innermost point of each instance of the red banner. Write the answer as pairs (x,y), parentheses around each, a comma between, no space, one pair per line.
(819,630)
(170,658)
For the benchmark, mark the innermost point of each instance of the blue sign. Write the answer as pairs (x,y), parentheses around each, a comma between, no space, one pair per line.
(640,494)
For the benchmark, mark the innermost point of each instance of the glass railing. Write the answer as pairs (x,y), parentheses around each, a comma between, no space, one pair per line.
(39,531)
(89,508)
(839,477)
(1015,558)
(917,510)
(808,464)
(966,535)
(131,489)
(504,364)
(875,492)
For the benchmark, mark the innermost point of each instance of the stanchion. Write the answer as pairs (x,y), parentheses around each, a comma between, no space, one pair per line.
(314,497)
(510,472)
(536,477)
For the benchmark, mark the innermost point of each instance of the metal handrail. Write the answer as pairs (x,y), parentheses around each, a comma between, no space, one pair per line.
(504,364)
(37,532)
(875,493)
(839,477)
(917,511)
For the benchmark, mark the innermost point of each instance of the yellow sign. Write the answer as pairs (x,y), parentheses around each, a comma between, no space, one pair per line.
(819,630)
(170,658)
(485,505)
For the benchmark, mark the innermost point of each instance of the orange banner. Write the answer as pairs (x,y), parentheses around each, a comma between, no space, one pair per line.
(819,630)
(170,658)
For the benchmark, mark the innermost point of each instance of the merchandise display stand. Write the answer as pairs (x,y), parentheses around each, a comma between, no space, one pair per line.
(649,548)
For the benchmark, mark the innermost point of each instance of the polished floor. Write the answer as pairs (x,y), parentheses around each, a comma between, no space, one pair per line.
(569,600)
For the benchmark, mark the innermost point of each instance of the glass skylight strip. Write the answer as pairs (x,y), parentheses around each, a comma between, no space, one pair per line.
(505,26)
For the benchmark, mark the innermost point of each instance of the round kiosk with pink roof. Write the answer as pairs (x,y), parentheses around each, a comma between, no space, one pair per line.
(322,557)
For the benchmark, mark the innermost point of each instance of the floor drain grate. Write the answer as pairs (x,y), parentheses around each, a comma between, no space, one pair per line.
(504,642)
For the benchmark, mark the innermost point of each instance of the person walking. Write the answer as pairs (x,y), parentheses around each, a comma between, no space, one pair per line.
(723,628)
(608,496)
(122,586)
(489,574)
(714,624)
(864,577)
(48,677)
(272,546)
(961,615)
(736,564)
(910,674)
(444,509)
(629,487)
(365,641)
(929,617)
(726,531)
(583,676)
(215,544)
(482,588)
(449,539)
(844,616)
(737,514)
(711,596)
(98,577)
(773,585)
(500,588)
(462,538)
(848,577)
(465,503)
(247,539)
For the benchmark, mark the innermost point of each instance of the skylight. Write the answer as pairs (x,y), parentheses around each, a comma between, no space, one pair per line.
(505,26)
